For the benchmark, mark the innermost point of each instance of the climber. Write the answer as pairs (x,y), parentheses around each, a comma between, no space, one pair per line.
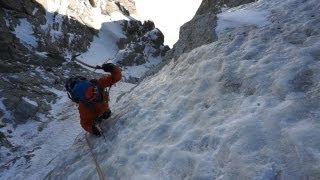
(92,97)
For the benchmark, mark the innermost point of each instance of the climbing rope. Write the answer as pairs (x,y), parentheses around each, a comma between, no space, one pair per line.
(95,159)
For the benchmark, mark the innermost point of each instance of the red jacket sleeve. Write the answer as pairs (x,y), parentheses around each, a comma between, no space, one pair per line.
(110,79)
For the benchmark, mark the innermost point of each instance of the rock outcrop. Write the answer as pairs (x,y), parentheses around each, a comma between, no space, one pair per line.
(142,41)
(191,36)
(33,44)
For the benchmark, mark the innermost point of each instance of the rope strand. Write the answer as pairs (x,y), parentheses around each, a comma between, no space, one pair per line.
(95,159)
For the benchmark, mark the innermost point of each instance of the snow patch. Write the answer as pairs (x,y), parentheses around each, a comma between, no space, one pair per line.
(7,22)
(103,46)
(241,17)
(24,31)
(41,54)
(35,11)
(7,114)
(30,101)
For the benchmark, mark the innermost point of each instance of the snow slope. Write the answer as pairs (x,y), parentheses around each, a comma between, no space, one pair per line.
(244,107)
(40,142)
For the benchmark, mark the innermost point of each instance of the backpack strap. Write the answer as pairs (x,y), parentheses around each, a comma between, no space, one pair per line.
(97,92)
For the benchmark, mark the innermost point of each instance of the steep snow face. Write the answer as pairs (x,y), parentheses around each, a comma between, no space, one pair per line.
(244,107)
(103,46)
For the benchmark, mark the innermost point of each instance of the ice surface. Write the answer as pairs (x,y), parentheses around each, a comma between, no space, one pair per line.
(241,17)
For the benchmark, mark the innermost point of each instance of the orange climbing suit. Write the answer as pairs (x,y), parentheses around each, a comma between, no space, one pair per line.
(88,114)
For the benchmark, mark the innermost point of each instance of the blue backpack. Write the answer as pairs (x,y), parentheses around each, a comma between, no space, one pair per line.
(76,88)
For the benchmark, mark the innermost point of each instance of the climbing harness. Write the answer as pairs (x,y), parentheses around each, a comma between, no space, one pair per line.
(94,159)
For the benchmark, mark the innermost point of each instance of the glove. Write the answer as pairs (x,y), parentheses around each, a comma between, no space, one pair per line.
(109,67)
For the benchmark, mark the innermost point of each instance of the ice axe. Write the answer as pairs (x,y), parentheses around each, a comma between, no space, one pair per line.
(74,58)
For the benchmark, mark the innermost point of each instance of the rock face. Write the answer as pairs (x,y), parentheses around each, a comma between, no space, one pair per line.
(127,7)
(142,40)
(191,36)
(53,33)
(142,43)
(33,45)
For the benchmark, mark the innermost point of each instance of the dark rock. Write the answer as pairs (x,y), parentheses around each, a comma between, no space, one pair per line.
(139,37)
(132,58)
(1,113)
(164,50)
(10,101)
(4,141)
(148,25)
(25,110)
(191,37)
(303,81)
(122,43)
(11,5)
(93,3)
(9,68)
(123,9)
(6,121)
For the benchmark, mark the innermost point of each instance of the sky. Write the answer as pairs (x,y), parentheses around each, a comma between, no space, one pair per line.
(246,106)
(168,15)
